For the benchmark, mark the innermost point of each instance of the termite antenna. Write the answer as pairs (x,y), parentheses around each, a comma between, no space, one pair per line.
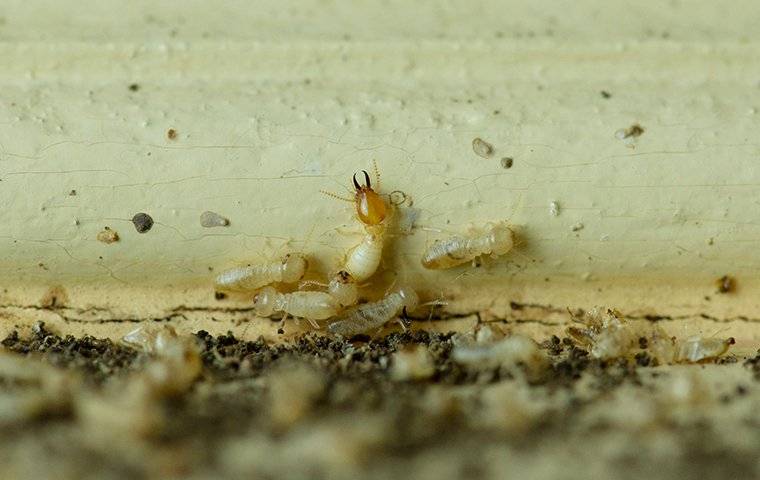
(366,179)
(336,196)
(310,283)
(437,303)
(356,184)
(377,172)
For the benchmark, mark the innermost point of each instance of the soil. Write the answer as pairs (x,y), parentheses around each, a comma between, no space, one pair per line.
(321,407)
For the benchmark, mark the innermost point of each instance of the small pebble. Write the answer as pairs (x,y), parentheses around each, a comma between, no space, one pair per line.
(108,235)
(482,148)
(554,208)
(212,219)
(143,222)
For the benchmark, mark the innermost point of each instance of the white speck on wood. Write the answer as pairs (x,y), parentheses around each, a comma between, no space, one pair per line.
(554,208)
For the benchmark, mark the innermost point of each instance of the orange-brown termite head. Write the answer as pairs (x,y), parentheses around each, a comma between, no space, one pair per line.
(370,206)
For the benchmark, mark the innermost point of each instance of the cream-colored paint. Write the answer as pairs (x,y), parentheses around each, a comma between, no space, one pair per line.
(274,102)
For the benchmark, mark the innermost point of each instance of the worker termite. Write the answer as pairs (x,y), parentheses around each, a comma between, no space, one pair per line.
(290,269)
(175,361)
(133,406)
(497,239)
(370,206)
(363,259)
(309,305)
(698,349)
(372,316)
(342,287)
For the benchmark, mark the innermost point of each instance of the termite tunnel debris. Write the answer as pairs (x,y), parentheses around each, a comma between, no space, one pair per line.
(171,134)
(211,406)
(482,148)
(142,222)
(507,162)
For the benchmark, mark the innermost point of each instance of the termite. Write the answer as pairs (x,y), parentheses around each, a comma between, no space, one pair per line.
(372,316)
(175,360)
(342,287)
(309,305)
(290,269)
(370,206)
(363,259)
(497,239)
(698,349)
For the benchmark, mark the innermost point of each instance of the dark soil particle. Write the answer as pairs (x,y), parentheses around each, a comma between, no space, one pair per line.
(142,222)
(97,359)
(754,365)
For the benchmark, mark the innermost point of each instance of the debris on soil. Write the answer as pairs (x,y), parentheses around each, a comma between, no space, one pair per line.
(108,236)
(142,222)
(212,219)
(726,284)
(427,404)
(482,148)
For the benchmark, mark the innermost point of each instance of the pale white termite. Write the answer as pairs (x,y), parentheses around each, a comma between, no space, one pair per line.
(698,349)
(309,305)
(363,259)
(175,360)
(245,279)
(342,287)
(497,239)
(372,316)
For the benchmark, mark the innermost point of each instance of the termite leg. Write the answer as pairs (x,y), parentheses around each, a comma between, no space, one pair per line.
(404,320)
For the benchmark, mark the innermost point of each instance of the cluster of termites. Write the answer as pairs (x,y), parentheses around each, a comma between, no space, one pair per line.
(336,299)
(607,335)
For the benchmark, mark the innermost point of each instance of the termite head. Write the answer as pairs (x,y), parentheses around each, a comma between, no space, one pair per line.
(501,238)
(409,298)
(343,288)
(263,302)
(293,267)
(370,207)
